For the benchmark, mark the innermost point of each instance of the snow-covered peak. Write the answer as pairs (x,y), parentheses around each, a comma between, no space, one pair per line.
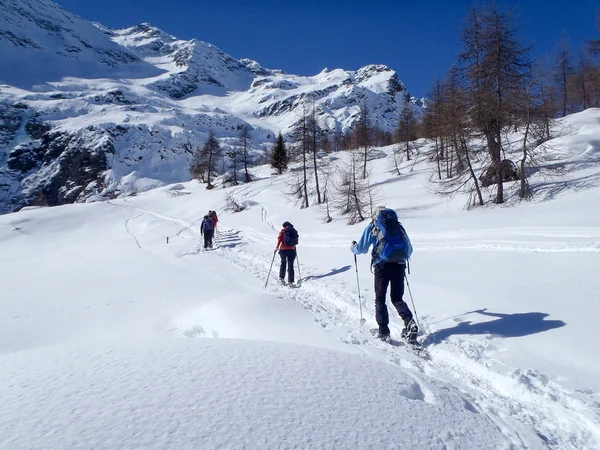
(144,38)
(41,42)
(255,67)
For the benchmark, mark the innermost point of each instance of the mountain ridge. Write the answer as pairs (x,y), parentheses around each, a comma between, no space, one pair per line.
(84,107)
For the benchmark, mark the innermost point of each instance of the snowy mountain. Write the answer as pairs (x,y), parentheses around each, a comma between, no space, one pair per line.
(86,110)
(112,336)
(41,42)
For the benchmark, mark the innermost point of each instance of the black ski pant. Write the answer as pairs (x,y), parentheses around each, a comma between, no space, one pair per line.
(208,237)
(392,274)
(287,258)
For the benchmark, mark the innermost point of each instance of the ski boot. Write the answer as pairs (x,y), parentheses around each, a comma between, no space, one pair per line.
(384,335)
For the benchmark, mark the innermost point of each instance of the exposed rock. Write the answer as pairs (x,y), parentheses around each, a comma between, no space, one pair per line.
(25,157)
(36,129)
(510,172)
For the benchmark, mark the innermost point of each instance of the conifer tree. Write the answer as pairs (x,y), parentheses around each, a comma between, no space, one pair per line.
(279,158)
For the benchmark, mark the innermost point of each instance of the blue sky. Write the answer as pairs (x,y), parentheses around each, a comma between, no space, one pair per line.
(419,39)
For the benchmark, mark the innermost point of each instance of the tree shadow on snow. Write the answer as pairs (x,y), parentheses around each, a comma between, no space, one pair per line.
(395,178)
(329,274)
(505,325)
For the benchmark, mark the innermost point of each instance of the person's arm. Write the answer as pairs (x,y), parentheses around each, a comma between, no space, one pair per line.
(366,240)
(279,240)
(409,247)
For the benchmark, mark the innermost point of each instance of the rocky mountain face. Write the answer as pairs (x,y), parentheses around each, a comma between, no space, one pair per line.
(88,111)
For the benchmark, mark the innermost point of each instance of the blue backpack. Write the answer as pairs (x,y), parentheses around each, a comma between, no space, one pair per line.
(207,225)
(393,244)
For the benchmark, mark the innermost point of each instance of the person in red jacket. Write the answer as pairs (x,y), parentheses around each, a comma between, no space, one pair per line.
(286,244)
(213,216)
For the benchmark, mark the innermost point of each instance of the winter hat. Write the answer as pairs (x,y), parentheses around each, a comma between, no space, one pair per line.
(287,224)
(377,210)
(206,217)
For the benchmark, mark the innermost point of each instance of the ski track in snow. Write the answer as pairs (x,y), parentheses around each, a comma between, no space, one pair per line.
(560,419)
(128,229)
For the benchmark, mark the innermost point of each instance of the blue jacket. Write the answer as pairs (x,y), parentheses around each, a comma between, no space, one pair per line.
(368,238)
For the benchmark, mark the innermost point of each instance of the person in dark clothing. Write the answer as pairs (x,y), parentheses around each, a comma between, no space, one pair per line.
(206,230)
(286,244)
(387,273)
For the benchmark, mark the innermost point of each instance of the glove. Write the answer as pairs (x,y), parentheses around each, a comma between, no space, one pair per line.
(352,246)
(275,251)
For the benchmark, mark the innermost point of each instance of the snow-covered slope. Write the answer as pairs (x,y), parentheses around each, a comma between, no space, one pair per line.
(118,330)
(82,106)
(41,42)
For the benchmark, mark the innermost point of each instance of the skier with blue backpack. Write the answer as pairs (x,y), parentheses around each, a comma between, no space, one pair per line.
(286,244)
(391,252)
(207,229)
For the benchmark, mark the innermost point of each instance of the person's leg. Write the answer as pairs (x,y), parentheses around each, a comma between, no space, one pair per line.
(381,311)
(396,272)
(291,259)
(210,238)
(283,256)
(205,239)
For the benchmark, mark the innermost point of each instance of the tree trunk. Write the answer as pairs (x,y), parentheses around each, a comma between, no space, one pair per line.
(396,162)
(248,178)
(304,170)
(495,150)
(525,192)
(210,156)
(356,196)
(437,154)
(471,171)
(314,145)
(365,162)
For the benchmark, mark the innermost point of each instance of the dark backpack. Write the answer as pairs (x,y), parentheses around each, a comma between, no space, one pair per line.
(393,244)
(290,237)
(207,225)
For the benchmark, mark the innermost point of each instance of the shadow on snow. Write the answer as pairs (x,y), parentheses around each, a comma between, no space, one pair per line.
(329,274)
(505,325)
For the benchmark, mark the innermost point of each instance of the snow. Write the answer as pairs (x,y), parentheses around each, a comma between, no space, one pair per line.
(118,331)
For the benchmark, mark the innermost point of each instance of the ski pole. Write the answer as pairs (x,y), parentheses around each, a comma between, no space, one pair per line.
(412,301)
(298,261)
(272,261)
(362,320)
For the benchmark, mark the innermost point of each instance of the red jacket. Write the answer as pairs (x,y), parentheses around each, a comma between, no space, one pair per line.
(280,242)
(214,218)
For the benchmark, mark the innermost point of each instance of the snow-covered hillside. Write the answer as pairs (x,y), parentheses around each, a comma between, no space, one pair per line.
(85,110)
(113,336)
(41,42)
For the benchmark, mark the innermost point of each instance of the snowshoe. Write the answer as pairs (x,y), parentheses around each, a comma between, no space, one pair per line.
(410,332)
